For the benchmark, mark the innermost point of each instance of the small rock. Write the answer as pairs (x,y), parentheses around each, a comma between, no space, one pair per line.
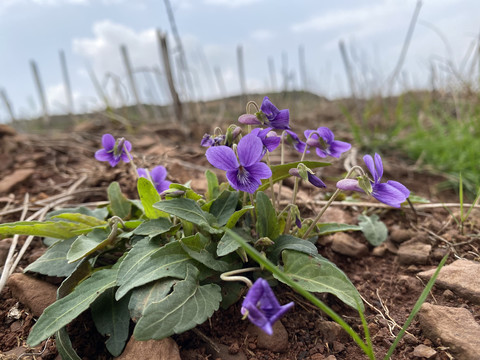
(337,215)
(13,179)
(331,331)
(393,248)
(317,356)
(423,351)
(331,357)
(414,253)
(31,292)
(455,327)
(439,253)
(462,277)
(165,349)
(338,346)
(224,353)
(277,342)
(448,294)
(346,245)
(380,250)
(399,235)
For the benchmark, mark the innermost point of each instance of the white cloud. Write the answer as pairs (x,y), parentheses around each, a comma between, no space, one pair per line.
(231,3)
(57,99)
(262,34)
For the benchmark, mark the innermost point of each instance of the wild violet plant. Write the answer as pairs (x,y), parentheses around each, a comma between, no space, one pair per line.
(169,260)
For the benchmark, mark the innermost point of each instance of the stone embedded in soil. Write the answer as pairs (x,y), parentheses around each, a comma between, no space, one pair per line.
(277,342)
(399,235)
(4,248)
(331,331)
(13,179)
(31,292)
(414,253)
(165,349)
(346,245)
(462,277)
(423,351)
(337,215)
(224,352)
(454,327)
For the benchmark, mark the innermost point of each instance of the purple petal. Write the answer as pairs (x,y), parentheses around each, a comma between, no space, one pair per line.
(298,222)
(142,172)
(321,153)
(280,312)
(388,194)
(241,179)
(371,167)
(162,185)
(310,134)
(207,141)
(124,157)
(103,155)
(259,171)
(349,185)
(248,119)
(222,157)
(258,318)
(114,161)
(159,174)
(108,142)
(326,134)
(127,145)
(271,142)
(281,120)
(399,187)
(338,147)
(249,150)
(253,294)
(315,181)
(268,108)
(378,166)
(262,133)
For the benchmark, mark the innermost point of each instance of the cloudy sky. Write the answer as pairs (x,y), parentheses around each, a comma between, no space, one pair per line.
(90,32)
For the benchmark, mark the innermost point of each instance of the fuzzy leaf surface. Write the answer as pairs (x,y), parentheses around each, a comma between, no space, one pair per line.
(154,227)
(202,249)
(187,306)
(149,293)
(54,229)
(118,202)
(289,242)
(228,244)
(373,228)
(87,244)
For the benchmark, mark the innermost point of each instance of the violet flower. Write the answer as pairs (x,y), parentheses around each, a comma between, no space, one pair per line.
(391,193)
(293,139)
(323,140)
(311,178)
(269,138)
(262,307)
(210,140)
(158,175)
(277,119)
(245,176)
(113,150)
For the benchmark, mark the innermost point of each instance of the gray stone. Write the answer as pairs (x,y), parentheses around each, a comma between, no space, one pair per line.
(277,342)
(346,245)
(331,331)
(165,349)
(399,235)
(414,253)
(424,351)
(462,277)
(455,327)
(337,215)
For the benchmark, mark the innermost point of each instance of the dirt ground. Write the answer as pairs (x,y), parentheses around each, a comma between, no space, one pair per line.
(56,162)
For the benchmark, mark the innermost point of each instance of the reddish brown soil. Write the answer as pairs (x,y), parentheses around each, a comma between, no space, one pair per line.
(60,160)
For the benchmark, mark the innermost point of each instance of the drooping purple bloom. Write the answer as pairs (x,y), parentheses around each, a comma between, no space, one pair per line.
(211,140)
(113,150)
(277,119)
(323,140)
(262,307)
(391,193)
(269,138)
(293,139)
(312,178)
(158,175)
(245,176)
(249,119)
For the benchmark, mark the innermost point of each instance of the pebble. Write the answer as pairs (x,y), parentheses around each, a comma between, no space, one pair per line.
(224,352)
(455,327)
(35,294)
(399,235)
(423,351)
(165,349)
(337,215)
(277,342)
(331,331)
(346,245)
(414,253)
(462,277)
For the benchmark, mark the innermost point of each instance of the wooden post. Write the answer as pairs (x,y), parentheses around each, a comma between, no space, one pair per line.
(348,68)
(131,82)
(303,68)
(66,82)
(98,88)
(164,55)
(273,76)
(8,106)
(220,82)
(285,71)
(40,90)
(241,71)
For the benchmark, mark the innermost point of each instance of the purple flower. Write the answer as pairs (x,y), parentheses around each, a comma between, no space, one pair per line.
(113,151)
(245,176)
(158,174)
(269,138)
(391,193)
(277,119)
(262,307)
(323,140)
(210,140)
(312,179)
(294,140)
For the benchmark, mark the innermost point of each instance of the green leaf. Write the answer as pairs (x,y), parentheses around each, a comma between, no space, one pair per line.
(143,296)
(317,274)
(280,172)
(187,306)
(267,222)
(289,242)
(188,209)
(149,196)
(212,185)
(54,261)
(373,228)
(54,229)
(88,220)
(228,244)
(153,227)
(201,248)
(112,319)
(99,213)
(168,261)
(237,215)
(118,202)
(87,244)
(231,293)
(64,345)
(189,193)
(64,310)
(330,228)
(224,206)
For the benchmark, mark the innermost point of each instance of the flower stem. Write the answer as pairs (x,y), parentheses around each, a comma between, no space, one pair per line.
(230,275)
(282,160)
(270,179)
